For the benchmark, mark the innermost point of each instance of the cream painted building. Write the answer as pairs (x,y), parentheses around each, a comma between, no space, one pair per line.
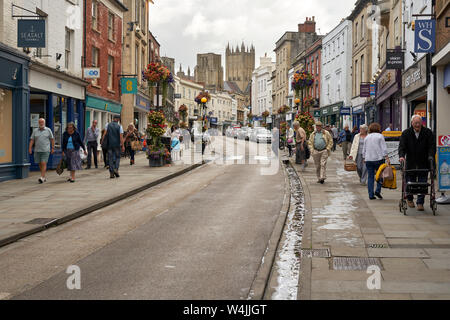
(261,91)
(186,91)
(221,107)
(135,58)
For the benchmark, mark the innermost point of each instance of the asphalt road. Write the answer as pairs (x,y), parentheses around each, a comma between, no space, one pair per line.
(199,236)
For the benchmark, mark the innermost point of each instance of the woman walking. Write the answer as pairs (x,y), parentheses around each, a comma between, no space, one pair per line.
(356,153)
(104,144)
(374,155)
(131,136)
(71,149)
(300,145)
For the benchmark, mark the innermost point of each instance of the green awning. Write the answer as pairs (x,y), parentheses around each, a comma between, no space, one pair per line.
(103,105)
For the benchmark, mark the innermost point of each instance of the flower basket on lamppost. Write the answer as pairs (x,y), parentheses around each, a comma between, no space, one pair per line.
(302,80)
(156,74)
(183,111)
(265,114)
(309,103)
(249,119)
(201,100)
(306,121)
(157,151)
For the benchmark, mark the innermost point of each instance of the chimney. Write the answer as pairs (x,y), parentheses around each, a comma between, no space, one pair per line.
(308,27)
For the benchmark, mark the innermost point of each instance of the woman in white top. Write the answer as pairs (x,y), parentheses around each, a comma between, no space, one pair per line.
(356,153)
(374,155)
(290,141)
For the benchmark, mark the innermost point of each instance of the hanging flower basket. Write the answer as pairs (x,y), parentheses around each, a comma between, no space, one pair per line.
(156,73)
(309,102)
(283,127)
(265,114)
(302,79)
(202,95)
(283,109)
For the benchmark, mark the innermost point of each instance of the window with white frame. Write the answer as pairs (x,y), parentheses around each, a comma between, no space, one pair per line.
(68,49)
(110,72)
(94,62)
(95,14)
(111,35)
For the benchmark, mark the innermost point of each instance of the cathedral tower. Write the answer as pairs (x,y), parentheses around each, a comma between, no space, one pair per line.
(240,64)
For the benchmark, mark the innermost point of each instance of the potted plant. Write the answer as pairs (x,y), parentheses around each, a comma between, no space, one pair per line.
(155,129)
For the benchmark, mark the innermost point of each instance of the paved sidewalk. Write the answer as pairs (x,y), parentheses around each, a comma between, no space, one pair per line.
(57,200)
(413,251)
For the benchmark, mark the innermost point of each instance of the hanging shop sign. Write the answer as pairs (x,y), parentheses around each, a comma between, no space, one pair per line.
(415,77)
(128,85)
(425,36)
(395,60)
(345,111)
(31,33)
(316,113)
(213,120)
(91,73)
(444,168)
(373,89)
(364,90)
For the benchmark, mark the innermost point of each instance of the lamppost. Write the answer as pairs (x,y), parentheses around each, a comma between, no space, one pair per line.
(204,107)
(297,103)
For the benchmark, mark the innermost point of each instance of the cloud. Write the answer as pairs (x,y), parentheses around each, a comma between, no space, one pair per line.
(187,27)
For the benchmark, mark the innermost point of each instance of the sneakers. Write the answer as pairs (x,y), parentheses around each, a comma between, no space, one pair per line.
(42,180)
(378,195)
(111,175)
(116,173)
(420,207)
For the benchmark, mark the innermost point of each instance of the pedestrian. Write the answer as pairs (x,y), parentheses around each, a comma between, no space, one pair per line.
(91,141)
(300,145)
(356,153)
(417,147)
(345,141)
(114,136)
(104,145)
(71,149)
(354,133)
(390,128)
(175,145)
(320,144)
(374,155)
(290,140)
(335,136)
(44,144)
(131,136)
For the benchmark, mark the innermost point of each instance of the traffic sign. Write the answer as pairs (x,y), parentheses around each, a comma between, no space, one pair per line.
(128,85)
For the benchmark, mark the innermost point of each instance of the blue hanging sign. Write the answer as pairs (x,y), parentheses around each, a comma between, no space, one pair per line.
(31,33)
(425,36)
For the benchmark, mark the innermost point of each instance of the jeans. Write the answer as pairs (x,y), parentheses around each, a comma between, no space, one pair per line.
(417,177)
(92,148)
(334,144)
(372,168)
(105,156)
(114,158)
(131,152)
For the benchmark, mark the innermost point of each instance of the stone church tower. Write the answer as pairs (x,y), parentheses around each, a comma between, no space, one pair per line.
(209,71)
(240,64)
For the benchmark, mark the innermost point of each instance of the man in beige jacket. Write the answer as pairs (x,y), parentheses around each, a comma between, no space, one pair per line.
(320,143)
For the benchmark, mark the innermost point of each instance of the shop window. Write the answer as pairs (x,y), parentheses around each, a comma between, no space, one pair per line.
(5,126)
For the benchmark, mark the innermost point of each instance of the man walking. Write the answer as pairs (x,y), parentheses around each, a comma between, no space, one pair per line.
(346,141)
(335,132)
(114,136)
(320,143)
(90,140)
(417,147)
(44,144)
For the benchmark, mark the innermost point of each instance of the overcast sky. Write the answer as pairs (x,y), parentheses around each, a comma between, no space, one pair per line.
(187,27)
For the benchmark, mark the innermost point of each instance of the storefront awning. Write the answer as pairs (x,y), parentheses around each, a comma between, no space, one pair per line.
(103,105)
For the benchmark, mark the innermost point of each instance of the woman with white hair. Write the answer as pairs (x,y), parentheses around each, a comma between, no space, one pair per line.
(131,135)
(356,153)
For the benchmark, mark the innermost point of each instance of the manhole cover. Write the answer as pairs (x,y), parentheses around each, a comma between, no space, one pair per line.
(40,221)
(377,246)
(355,263)
(316,253)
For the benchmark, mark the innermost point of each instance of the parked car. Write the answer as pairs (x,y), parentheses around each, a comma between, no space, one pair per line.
(244,133)
(235,132)
(263,135)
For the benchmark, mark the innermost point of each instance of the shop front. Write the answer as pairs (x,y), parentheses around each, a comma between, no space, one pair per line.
(100,109)
(59,99)
(141,109)
(331,115)
(14,100)
(358,116)
(414,89)
(388,99)
(370,109)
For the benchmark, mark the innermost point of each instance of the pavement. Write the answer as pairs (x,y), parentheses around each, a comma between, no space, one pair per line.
(412,252)
(27,207)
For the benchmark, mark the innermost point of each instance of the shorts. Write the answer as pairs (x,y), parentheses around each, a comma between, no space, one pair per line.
(41,157)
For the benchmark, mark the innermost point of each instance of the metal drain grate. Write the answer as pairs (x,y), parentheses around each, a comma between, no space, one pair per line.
(316,253)
(378,246)
(355,263)
(40,221)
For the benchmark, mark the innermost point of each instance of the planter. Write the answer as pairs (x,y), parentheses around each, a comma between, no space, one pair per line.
(156,162)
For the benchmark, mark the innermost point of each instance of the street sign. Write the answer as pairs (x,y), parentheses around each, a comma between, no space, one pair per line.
(31,33)
(425,36)
(177,96)
(395,60)
(345,111)
(444,168)
(364,90)
(128,85)
(91,73)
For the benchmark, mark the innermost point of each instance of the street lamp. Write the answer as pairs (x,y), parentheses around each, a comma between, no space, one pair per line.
(297,103)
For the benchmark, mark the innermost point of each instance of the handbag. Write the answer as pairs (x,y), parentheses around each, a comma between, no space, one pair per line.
(61,166)
(307,151)
(349,166)
(136,145)
(290,141)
